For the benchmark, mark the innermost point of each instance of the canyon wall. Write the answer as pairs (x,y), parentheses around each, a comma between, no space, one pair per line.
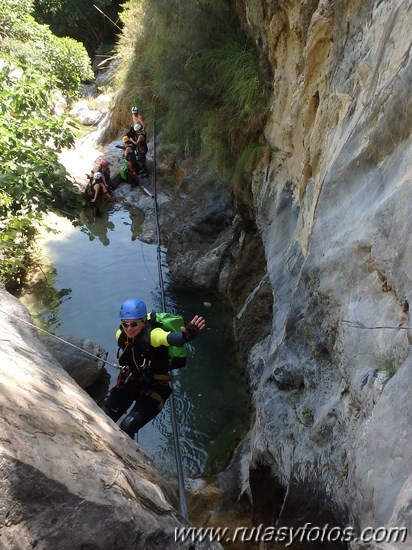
(331,381)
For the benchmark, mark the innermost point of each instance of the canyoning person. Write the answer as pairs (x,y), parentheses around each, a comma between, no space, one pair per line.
(136,149)
(137,118)
(133,165)
(104,179)
(144,349)
(95,192)
(104,169)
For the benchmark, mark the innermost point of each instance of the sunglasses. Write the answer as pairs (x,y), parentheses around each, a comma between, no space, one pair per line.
(133,324)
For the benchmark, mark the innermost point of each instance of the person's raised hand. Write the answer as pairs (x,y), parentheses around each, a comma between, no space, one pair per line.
(192,329)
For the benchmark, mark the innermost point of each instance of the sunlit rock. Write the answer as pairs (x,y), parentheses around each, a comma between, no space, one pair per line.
(70,478)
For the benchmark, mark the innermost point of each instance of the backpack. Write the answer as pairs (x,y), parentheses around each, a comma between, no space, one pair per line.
(89,191)
(171,323)
(123,170)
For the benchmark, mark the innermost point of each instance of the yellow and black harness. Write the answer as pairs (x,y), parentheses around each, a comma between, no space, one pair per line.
(145,365)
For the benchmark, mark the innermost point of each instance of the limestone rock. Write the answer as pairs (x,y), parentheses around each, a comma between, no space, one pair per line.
(70,478)
(332,207)
(85,115)
(82,367)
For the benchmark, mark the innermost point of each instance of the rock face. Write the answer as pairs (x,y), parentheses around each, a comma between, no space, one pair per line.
(328,358)
(332,207)
(69,477)
(317,264)
(83,368)
(86,116)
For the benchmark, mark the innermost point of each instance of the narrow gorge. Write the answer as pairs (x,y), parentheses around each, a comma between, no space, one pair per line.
(319,257)
(315,257)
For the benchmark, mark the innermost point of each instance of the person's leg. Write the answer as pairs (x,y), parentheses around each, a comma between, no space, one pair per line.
(117,402)
(143,411)
(142,160)
(130,155)
(142,150)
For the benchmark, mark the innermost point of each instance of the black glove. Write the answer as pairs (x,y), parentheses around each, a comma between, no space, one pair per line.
(191,332)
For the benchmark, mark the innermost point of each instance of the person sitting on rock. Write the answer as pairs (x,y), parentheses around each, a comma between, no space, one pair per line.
(104,169)
(136,150)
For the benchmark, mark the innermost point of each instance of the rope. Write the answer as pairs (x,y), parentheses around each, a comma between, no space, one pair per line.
(179,466)
(60,339)
(358,324)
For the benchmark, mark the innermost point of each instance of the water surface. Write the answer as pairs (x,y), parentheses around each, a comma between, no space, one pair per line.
(101,263)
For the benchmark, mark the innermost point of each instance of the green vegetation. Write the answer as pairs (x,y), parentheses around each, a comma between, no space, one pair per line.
(27,44)
(307,414)
(304,414)
(390,362)
(81,20)
(34,65)
(309,337)
(190,61)
(321,340)
(186,59)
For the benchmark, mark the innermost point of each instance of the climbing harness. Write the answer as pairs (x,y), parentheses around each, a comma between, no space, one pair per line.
(179,465)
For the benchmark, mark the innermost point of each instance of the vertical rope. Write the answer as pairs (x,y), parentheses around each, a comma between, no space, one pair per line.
(178,457)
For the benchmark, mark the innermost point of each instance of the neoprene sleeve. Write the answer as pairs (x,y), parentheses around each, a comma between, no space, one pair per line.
(176,339)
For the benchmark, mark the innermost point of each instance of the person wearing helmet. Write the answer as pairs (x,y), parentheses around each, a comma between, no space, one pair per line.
(137,118)
(136,150)
(104,169)
(96,190)
(144,378)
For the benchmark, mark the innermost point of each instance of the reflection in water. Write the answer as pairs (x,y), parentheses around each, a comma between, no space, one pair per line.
(44,298)
(99,229)
(82,296)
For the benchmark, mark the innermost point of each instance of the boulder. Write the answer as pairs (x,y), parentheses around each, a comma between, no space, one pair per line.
(76,359)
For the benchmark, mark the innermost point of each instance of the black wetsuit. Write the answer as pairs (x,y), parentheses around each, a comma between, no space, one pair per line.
(145,379)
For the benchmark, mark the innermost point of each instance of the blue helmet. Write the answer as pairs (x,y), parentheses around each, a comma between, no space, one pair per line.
(133,309)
